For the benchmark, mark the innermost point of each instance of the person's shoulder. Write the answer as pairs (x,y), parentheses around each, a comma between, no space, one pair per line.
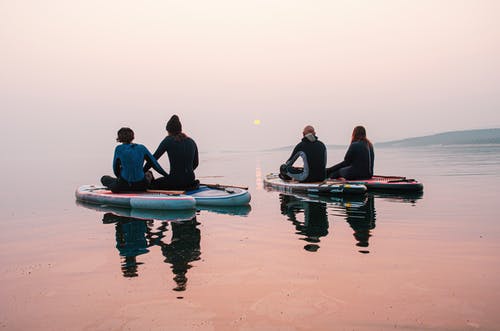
(141,147)
(300,144)
(167,140)
(357,144)
(120,147)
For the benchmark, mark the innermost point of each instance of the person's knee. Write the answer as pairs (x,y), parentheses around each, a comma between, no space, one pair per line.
(107,181)
(283,169)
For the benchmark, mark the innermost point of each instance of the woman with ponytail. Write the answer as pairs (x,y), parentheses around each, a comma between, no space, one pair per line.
(183,157)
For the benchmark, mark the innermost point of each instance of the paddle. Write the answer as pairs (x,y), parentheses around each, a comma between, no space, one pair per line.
(169,192)
(222,187)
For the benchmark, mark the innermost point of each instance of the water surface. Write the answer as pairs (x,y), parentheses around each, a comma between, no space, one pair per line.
(287,262)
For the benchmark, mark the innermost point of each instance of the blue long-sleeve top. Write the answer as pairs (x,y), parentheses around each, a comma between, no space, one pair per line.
(129,159)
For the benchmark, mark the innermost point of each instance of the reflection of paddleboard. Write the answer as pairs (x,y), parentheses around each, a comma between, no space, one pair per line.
(144,214)
(136,200)
(326,187)
(231,210)
(337,200)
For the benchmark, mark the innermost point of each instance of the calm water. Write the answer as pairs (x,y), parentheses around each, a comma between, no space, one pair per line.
(416,262)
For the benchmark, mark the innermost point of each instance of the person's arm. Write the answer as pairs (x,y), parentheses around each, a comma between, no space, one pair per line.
(372,157)
(150,159)
(347,161)
(293,157)
(195,160)
(349,155)
(157,154)
(116,164)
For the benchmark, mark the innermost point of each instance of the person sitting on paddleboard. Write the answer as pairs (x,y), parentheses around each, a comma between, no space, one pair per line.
(183,157)
(128,163)
(358,160)
(313,154)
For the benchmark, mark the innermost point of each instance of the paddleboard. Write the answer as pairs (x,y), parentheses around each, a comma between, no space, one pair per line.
(390,184)
(136,200)
(220,196)
(376,183)
(327,187)
(205,195)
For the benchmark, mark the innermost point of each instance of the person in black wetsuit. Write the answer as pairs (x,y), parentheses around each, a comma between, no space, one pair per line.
(358,160)
(183,156)
(313,153)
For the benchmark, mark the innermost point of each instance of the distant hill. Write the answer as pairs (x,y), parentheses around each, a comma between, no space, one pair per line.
(467,137)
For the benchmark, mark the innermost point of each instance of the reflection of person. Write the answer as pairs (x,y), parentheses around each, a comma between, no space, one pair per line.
(128,162)
(184,248)
(362,221)
(130,241)
(183,157)
(358,160)
(313,154)
(315,223)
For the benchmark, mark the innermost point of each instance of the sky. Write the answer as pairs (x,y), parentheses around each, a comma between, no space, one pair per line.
(245,75)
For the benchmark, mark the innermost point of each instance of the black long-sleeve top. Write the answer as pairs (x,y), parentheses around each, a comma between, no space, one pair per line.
(358,161)
(183,157)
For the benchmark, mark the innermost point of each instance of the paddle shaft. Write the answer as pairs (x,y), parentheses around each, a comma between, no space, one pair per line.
(166,192)
(219,186)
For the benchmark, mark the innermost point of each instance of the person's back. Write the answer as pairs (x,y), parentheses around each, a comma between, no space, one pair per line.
(131,158)
(360,156)
(313,153)
(183,158)
(128,162)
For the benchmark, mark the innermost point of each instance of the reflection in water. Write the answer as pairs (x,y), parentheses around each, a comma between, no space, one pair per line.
(184,248)
(358,211)
(315,224)
(130,241)
(361,218)
(410,197)
(135,236)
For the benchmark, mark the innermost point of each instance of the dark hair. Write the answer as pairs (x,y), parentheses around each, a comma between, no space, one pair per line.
(359,134)
(125,135)
(174,128)
(174,125)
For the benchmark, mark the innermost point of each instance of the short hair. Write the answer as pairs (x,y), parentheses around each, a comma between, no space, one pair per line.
(308,129)
(125,135)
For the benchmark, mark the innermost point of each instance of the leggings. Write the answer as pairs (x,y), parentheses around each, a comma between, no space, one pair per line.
(118,185)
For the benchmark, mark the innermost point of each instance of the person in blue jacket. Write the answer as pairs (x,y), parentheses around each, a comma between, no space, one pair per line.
(313,154)
(128,162)
(358,160)
(182,155)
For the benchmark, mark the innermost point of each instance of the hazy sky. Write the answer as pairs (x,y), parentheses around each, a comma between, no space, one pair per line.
(74,72)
